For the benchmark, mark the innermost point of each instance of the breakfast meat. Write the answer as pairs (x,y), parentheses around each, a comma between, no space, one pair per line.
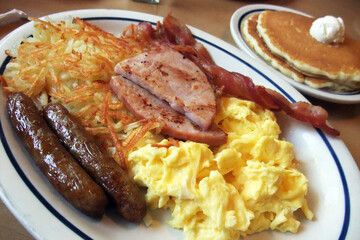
(238,85)
(171,77)
(58,166)
(144,105)
(176,32)
(287,35)
(128,199)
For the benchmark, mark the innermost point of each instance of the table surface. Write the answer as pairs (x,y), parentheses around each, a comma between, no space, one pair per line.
(212,16)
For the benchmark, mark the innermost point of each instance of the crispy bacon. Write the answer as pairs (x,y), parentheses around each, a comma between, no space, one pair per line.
(240,86)
(176,32)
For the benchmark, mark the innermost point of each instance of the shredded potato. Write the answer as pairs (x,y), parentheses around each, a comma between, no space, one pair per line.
(72,62)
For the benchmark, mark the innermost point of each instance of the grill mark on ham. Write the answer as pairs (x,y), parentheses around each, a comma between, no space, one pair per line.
(144,105)
(170,76)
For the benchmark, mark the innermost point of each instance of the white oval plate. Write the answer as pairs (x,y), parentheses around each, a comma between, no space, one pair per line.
(238,18)
(333,175)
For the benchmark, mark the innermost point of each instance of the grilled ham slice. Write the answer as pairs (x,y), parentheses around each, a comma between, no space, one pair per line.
(170,76)
(145,105)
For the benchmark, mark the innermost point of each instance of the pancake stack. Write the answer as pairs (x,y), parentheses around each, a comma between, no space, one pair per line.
(283,40)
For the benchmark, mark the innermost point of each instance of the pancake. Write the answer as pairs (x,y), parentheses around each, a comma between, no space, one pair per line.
(287,36)
(256,43)
(328,85)
(251,36)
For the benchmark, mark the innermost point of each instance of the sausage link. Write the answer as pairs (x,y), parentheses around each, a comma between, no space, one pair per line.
(54,161)
(129,201)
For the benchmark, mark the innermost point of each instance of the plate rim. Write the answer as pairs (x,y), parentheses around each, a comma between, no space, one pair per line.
(332,142)
(237,19)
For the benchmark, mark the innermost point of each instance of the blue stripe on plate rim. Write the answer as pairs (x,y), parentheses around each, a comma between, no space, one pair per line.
(80,233)
(241,19)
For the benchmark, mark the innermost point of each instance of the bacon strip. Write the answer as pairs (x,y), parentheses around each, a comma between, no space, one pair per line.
(242,87)
(176,32)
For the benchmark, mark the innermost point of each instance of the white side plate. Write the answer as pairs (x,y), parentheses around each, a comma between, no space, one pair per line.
(238,18)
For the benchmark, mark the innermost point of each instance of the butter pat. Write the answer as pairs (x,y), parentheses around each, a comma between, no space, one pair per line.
(328,30)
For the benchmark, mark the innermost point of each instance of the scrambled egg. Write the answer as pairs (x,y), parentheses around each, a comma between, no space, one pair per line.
(247,185)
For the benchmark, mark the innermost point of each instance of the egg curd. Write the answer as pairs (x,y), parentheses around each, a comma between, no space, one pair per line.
(247,185)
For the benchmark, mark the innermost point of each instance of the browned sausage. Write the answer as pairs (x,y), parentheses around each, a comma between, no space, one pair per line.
(129,201)
(54,161)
